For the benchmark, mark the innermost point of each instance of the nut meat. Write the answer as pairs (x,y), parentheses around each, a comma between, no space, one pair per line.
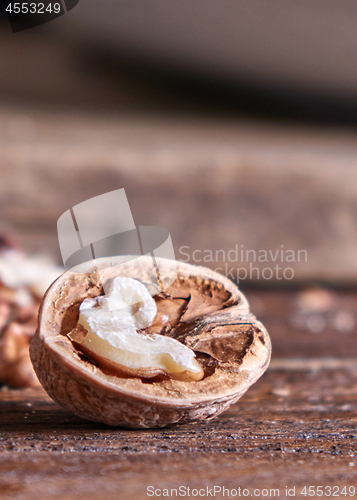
(202,309)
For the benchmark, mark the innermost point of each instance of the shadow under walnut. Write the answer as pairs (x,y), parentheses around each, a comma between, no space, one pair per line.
(202,309)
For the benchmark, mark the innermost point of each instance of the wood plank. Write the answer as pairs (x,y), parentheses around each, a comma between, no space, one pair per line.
(308,321)
(292,428)
(214,184)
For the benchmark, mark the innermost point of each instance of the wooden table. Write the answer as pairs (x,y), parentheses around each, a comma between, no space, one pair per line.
(295,427)
(213,183)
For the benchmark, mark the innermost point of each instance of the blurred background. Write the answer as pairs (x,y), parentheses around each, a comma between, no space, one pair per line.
(228,123)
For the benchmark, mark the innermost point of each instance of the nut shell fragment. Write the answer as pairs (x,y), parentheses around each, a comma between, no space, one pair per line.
(202,309)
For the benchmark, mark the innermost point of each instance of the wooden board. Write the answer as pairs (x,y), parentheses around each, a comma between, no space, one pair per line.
(295,427)
(214,184)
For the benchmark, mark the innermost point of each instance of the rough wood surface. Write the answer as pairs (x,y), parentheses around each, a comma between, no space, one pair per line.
(296,426)
(291,429)
(214,184)
(300,329)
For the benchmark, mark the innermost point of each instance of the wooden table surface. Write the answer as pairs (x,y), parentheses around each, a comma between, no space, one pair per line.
(213,183)
(295,427)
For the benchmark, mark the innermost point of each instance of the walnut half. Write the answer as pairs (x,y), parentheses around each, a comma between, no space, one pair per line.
(202,310)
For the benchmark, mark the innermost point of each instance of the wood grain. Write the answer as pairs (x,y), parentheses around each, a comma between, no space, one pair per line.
(301,333)
(292,428)
(214,184)
(296,426)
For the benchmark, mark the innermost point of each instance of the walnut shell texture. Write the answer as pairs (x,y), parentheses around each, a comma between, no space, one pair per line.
(203,309)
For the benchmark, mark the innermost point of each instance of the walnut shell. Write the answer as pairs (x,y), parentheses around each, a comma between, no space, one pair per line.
(202,309)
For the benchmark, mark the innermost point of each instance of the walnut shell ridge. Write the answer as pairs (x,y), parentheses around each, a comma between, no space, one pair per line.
(216,323)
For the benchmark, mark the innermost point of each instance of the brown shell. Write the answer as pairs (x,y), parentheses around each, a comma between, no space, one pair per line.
(214,320)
